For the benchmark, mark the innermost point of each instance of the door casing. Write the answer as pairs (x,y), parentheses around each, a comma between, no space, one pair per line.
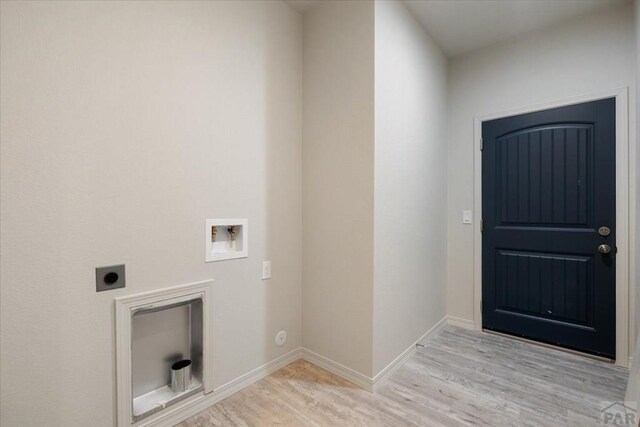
(625,224)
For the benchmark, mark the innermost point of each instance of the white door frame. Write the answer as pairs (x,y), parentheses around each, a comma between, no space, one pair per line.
(625,224)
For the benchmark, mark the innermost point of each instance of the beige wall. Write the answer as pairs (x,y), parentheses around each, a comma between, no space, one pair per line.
(580,57)
(337,291)
(124,126)
(410,183)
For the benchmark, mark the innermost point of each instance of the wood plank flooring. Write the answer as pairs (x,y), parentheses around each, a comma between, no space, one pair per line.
(461,378)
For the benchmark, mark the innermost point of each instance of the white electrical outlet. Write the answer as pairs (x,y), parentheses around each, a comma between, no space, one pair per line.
(266,270)
(281,338)
(466,217)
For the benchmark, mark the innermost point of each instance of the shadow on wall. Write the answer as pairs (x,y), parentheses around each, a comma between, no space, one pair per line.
(281,194)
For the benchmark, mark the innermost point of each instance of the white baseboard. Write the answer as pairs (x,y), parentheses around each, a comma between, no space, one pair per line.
(399,361)
(199,403)
(363,381)
(251,377)
(336,368)
(434,331)
(460,322)
(392,367)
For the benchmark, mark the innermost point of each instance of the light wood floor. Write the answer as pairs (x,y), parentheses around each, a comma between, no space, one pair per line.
(461,378)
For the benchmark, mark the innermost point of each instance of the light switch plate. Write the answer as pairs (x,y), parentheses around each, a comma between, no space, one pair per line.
(266,270)
(466,217)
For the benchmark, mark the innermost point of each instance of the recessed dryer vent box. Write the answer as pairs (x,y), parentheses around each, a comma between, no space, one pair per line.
(154,330)
(160,336)
(226,239)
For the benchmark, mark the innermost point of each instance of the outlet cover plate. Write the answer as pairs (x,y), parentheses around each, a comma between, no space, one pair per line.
(111,277)
(281,338)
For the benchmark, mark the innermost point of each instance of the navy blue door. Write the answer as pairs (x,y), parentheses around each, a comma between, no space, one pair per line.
(548,186)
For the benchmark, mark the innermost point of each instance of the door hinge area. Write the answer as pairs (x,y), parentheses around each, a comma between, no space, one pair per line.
(481,225)
(481,307)
(481,144)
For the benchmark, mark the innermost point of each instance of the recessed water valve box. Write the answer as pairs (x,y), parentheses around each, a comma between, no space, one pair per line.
(226,239)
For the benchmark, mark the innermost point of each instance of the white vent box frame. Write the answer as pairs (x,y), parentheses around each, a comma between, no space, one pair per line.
(226,239)
(153,331)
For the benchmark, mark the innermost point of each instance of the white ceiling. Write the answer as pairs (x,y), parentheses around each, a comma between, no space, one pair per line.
(460,26)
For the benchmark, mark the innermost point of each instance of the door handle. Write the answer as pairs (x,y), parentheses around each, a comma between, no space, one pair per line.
(604,249)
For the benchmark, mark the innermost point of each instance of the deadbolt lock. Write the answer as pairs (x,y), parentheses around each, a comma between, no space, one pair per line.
(604,249)
(604,231)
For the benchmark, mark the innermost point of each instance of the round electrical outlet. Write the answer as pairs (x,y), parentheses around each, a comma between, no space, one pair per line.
(281,338)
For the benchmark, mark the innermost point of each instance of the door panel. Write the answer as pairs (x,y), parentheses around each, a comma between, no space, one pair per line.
(548,184)
(550,286)
(542,176)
